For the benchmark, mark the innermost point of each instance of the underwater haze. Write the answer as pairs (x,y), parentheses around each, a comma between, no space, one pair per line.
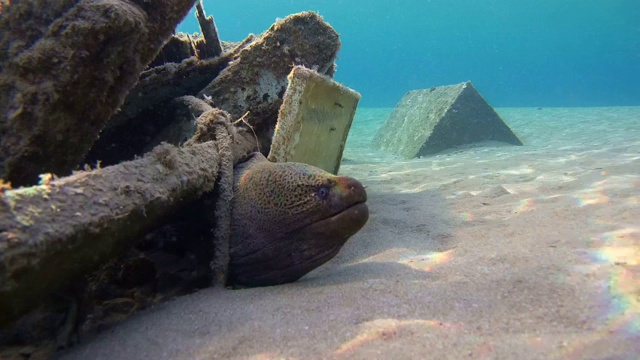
(517,53)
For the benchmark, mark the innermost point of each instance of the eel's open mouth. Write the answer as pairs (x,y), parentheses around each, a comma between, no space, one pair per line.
(294,255)
(343,224)
(320,241)
(336,230)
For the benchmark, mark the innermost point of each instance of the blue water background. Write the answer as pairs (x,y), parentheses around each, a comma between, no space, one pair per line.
(517,53)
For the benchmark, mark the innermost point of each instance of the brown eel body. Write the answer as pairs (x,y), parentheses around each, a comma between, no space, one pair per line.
(288,219)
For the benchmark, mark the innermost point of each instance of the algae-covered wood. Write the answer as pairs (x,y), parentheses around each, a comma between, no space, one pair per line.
(314,121)
(53,233)
(256,79)
(65,68)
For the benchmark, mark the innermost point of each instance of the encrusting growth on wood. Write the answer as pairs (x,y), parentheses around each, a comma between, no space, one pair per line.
(209,31)
(54,232)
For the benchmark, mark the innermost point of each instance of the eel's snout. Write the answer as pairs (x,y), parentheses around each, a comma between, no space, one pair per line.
(347,193)
(352,190)
(353,211)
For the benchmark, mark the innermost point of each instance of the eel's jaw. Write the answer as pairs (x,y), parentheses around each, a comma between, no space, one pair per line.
(291,257)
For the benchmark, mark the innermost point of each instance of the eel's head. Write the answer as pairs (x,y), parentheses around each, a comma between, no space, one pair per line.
(288,219)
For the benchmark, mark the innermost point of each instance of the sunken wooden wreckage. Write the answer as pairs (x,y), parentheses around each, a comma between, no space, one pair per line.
(106,170)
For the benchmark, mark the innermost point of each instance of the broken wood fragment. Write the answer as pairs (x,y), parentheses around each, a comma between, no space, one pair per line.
(184,113)
(209,32)
(257,78)
(313,121)
(53,233)
(65,73)
(179,47)
(166,82)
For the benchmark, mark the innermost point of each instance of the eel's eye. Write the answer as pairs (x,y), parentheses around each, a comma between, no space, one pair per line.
(323,192)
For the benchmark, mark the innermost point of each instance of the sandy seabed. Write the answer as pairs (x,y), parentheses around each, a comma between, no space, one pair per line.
(489,251)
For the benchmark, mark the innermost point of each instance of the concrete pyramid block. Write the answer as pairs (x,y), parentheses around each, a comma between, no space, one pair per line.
(313,121)
(431,120)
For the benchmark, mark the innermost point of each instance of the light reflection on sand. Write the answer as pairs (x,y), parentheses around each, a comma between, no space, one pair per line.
(423,262)
(525,205)
(386,329)
(426,262)
(620,250)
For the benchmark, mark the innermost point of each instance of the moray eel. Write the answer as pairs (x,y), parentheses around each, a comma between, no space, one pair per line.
(289,218)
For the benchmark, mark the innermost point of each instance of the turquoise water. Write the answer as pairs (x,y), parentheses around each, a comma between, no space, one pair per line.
(517,53)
